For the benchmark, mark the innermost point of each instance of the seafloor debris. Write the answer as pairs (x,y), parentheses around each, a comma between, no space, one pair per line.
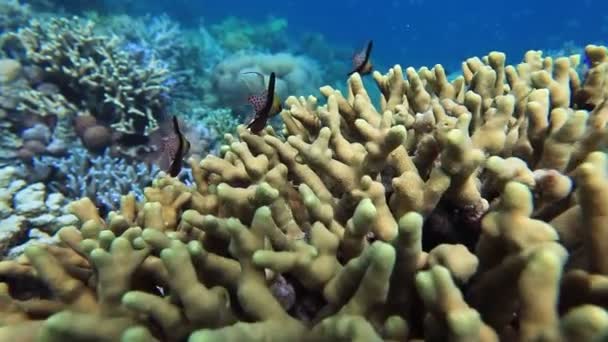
(469,210)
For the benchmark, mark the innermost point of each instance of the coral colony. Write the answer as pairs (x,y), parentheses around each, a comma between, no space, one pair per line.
(472,208)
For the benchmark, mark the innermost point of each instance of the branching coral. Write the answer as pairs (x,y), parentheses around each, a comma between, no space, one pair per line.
(363,211)
(214,123)
(189,55)
(154,41)
(155,37)
(13,14)
(103,179)
(9,143)
(92,73)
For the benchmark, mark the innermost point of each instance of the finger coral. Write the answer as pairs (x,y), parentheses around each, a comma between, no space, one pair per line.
(464,210)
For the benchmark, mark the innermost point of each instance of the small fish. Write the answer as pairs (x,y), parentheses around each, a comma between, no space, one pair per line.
(362,62)
(173,147)
(265,105)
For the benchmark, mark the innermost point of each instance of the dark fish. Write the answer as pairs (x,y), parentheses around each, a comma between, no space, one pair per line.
(265,104)
(173,147)
(362,61)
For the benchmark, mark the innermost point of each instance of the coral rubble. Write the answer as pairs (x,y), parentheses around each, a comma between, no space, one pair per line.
(470,210)
(25,207)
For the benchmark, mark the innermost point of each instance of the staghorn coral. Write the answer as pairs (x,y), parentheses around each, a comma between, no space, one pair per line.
(188,54)
(102,178)
(150,37)
(363,211)
(92,73)
(220,120)
(10,142)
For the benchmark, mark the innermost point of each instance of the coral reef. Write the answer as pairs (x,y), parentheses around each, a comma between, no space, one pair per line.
(206,126)
(90,73)
(236,34)
(470,210)
(189,55)
(34,120)
(147,37)
(9,142)
(13,14)
(153,41)
(27,207)
(103,178)
(295,75)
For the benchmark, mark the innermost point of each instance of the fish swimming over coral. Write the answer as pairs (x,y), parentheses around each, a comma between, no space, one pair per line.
(362,62)
(173,147)
(265,104)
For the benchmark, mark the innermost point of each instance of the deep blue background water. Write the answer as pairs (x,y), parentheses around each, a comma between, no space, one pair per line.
(421,32)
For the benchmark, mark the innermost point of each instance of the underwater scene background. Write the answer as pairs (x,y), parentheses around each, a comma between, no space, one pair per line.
(303,170)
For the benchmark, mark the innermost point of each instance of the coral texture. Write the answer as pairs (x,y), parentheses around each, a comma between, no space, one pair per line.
(236,34)
(470,210)
(25,207)
(13,14)
(103,179)
(92,73)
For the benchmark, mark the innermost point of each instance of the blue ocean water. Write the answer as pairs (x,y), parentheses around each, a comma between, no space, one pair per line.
(419,32)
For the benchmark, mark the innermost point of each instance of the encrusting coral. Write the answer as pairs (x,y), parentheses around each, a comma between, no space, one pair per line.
(471,210)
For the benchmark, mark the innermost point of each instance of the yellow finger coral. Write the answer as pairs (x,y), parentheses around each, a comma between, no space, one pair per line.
(470,210)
